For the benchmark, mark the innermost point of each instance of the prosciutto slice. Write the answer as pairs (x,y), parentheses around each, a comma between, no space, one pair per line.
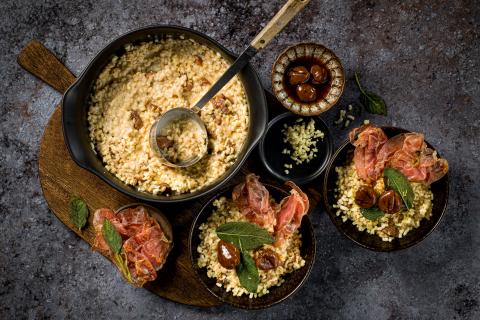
(409,154)
(406,152)
(290,214)
(145,245)
(368,140)
(253,200)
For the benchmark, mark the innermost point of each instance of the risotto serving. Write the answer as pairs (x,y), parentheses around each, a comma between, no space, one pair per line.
(385,190)
(137,87)
(250,242)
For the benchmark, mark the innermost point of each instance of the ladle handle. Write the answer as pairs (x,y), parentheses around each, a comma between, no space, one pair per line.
(278,22)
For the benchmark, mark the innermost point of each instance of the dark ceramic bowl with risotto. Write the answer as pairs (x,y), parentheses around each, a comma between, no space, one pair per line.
(440,189)
(292,281)
(274,158)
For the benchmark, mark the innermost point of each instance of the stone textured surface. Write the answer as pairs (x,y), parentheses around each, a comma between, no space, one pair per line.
(422,56)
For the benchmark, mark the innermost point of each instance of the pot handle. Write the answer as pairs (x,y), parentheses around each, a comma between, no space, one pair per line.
(43,64)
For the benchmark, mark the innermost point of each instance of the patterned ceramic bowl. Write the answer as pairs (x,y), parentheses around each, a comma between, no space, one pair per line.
(306,55)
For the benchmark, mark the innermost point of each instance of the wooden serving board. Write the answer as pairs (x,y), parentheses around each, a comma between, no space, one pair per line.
(61,179)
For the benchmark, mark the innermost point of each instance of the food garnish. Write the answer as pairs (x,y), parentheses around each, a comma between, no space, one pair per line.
(407,153)
(78,212)
(266,259)
(244,235)
(372,102)
(114,241)
(302,139)
(247,273)
(390,202)
(372,213)
(398,182)
(365,197)
(228,254)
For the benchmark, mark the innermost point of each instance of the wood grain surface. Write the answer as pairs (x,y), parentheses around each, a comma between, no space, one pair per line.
(61,179)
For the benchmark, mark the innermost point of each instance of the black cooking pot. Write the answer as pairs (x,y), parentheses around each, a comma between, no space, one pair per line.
(75,110)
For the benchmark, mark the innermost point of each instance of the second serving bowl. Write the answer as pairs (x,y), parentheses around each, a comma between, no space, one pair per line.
(342,157)
(293,281)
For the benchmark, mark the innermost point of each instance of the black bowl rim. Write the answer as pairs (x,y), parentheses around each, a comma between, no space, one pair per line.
(150,197)
(314,174)
(306,218)
(332,216)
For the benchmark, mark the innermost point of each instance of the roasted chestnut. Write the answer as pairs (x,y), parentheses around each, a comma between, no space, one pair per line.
(390,202)
(365,197)
(306,92)
(298,75)
(164,142)
(319,74)
(266,259)
(228,254)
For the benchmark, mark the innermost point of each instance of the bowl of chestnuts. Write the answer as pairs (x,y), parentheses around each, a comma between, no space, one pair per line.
(308,79)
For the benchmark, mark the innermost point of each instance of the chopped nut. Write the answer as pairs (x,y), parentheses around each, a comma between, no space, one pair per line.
(137,121)
(204,81)
(198,60)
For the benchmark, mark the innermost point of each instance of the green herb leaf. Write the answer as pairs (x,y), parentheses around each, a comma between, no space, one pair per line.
(372,213)
(121,262)
(78,212)
(247,273)
(398,182)
(372,102)
(111,236)
(244,235)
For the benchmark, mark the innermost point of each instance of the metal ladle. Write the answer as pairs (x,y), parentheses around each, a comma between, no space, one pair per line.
(274,26)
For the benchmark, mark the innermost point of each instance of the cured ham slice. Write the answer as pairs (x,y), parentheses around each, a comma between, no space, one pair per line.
(253,200)
(406,152)
(409,154)
(290,214)
(368,140)
(152,243)
(145,244)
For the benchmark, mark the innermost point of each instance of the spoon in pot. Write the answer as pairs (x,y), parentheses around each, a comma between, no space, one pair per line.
(177,118)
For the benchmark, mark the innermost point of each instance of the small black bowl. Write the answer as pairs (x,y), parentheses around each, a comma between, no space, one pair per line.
(272,145)
(293,281)
(440,189)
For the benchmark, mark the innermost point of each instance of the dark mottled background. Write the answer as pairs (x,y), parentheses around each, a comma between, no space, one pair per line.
(422,56)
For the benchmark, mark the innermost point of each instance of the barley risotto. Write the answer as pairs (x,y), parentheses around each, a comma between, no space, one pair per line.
(251,208)
(386,189)
(134,89)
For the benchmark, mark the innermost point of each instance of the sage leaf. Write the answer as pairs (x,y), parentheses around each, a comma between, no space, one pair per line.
(78,212)
(111,236)
(398,182)
(244,235)
(372,102)
(372,213)
(247,273)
